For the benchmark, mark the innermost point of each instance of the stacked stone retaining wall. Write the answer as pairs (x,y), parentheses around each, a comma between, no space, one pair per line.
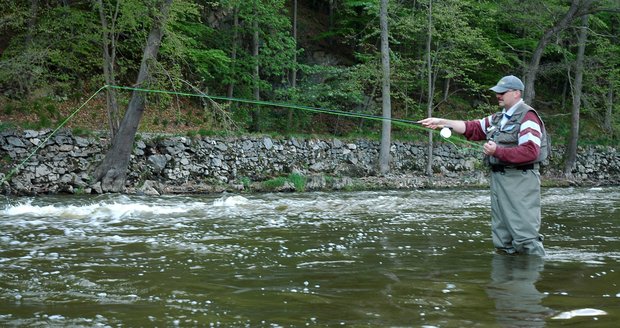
(161,164)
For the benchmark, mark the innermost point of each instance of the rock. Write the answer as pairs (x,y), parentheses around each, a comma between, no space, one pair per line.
(149,188)
(158,162)
(15,142)
(316,182)
(179,164)
(287,187)
(30,134)
(97,188)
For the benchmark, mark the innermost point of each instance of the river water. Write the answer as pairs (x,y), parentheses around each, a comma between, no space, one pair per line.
(392,258)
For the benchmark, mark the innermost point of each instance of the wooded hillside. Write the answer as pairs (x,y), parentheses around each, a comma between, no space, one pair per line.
(319,54)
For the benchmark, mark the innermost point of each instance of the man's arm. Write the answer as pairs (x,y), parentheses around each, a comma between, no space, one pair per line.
(472,130)
(435,122)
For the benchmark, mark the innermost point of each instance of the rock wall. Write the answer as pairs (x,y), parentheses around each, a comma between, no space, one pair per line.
(161,164)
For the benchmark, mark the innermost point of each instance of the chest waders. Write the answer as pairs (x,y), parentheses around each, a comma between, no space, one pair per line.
(515,191)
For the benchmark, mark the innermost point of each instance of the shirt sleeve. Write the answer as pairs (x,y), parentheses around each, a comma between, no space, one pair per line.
(476,130)
(528,148)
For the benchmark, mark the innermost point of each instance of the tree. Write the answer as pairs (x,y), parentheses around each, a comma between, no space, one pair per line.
(233,51)
(429,108)
(209,48)
(293,73)
(602,74)
(41,54)
(386,126)
(256,70)
(571,149)
(109,38)
(577,8)
(112,171)
(261,48)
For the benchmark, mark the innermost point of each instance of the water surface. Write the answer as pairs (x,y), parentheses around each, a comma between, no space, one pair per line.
(394,258)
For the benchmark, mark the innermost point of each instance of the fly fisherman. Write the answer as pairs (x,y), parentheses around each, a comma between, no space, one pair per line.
(516,144)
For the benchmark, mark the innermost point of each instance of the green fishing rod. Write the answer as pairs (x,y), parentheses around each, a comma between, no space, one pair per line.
(44,142)
(275,104)
(445,132)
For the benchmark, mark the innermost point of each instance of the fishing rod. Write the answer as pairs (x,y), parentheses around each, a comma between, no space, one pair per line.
(44,142)
(446,132)
(274,104)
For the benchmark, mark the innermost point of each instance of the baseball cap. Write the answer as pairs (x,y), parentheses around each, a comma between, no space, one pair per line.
(509,82)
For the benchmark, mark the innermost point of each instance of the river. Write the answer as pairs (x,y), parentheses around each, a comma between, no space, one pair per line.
(420,258)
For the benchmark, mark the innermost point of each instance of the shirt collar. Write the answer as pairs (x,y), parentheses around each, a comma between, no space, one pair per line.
(512,109)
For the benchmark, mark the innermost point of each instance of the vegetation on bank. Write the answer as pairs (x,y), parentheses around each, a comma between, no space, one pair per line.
(325,56)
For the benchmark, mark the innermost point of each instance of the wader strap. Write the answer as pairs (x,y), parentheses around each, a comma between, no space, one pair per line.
(503,168)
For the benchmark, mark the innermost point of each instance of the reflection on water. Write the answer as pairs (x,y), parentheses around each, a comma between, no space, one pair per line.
(512,287)
(394,258)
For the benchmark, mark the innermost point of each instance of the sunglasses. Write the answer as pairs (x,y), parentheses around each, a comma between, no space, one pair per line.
(505,92)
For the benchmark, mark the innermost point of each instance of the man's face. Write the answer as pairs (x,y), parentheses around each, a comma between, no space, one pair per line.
(508,98)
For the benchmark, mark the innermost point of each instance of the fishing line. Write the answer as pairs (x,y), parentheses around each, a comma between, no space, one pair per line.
(397,121)
(44,142)
(277,104)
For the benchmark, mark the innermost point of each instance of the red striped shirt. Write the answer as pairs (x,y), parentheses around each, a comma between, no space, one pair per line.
(528,147)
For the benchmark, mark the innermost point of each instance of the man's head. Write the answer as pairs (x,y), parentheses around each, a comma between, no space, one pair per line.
(508,91)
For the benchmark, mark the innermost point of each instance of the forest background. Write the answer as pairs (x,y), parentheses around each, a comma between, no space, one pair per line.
(443,57)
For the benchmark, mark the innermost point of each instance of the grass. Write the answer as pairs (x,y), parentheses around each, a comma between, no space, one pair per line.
(297,180)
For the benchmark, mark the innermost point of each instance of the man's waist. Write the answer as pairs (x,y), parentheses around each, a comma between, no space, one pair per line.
(524,167)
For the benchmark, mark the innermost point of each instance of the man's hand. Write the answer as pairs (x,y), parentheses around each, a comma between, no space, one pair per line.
(489,148)
(431,122)
(435,122)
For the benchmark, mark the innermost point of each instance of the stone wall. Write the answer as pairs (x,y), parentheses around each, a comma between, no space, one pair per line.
(160,164)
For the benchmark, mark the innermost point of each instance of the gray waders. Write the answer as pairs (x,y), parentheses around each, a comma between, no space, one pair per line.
(515,211)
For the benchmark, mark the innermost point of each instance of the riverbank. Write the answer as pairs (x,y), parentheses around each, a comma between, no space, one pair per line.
(164,164)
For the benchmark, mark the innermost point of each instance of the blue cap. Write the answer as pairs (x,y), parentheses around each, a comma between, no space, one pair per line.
(507,83)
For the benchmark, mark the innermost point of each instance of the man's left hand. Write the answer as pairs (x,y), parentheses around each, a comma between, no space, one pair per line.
(489,148)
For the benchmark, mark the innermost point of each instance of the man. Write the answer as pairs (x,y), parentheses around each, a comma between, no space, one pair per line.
(516,144)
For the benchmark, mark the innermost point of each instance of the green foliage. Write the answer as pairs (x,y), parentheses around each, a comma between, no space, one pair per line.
(79,131)
(54,51)
(6,126)
(273,184)
(297,180)
(246,182)
(50,58)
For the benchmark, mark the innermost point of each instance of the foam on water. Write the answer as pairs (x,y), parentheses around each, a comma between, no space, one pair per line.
(587,312)
(231,201)
(580,255)
(96,210)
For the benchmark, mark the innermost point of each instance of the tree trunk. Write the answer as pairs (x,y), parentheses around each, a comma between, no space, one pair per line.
(109,56)
(532,69)
(331,15)
(233,55)
(571,149)
(446,89)
(26,81)
(32,21)
(429,109)
(386,138)
(255,113)
(612,92)
(293,77)
(112,172)
(609,106)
